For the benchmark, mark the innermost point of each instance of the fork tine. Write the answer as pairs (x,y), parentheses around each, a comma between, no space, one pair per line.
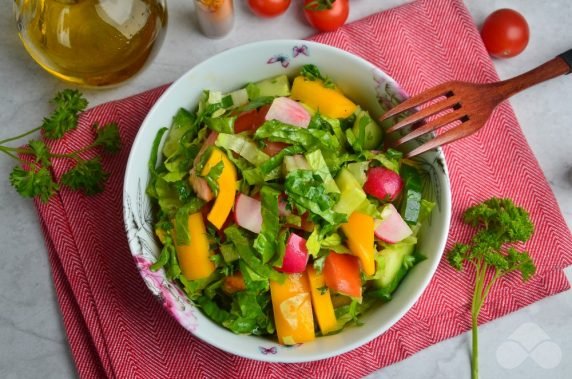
(417,100)
(430,126)
(458,132)
(425,112)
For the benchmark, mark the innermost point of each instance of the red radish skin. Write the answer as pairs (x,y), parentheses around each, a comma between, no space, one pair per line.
(289,112)
(248,213)
(296,255)
(383,183)
(200,185)
(391,228)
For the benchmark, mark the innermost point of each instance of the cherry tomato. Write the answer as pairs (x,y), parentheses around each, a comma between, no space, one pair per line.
(326,19)
(268,8)
(505,33)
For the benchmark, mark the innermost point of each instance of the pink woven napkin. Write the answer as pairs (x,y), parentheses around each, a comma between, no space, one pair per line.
(116,328)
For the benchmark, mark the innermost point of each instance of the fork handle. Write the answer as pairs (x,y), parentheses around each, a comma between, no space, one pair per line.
(561,65)
(567,57)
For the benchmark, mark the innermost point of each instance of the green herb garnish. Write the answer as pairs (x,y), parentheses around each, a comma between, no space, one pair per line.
(499,222)
(32,176)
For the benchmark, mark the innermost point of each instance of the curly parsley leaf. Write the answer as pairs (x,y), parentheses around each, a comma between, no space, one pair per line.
(499,222)
(87,176)
(312,72)
(69,103)
(107,137)
(70,100)
(32,183)
(40,152)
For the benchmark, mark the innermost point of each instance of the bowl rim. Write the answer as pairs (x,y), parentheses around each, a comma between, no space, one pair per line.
(446,209)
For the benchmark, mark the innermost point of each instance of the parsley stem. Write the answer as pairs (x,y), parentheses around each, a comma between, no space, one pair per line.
(480,277)
(8,153)
(497,275)
(19,136)
(475,352)
(75,155)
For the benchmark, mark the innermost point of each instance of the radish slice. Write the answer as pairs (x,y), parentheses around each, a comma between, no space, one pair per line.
(282,206)
(248,213)
(200,185)
(296,255)
(391,228)
(289,112)
(383,183)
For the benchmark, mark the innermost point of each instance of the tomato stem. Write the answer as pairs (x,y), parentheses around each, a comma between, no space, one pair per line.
(319,5)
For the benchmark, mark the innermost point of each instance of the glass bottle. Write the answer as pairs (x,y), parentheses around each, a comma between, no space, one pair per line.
(91,43)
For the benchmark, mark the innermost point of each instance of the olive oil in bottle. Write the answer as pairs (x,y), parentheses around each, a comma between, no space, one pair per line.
(91,43)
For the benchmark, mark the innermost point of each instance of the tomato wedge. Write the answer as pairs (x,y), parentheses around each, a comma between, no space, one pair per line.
(273,148)
(342,274)
(251,120)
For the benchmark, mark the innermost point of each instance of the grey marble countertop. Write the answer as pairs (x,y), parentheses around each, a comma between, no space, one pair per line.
(533,342)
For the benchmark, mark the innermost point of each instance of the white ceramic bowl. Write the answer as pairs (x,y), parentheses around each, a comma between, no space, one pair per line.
(361,81)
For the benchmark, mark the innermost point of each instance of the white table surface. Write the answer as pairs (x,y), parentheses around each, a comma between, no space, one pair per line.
(32,340)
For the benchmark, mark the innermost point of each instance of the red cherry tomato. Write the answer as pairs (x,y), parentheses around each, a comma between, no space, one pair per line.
(505,33)
(324,19)
(268,8)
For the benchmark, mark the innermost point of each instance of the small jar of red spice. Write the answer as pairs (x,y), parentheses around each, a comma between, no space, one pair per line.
(215,17)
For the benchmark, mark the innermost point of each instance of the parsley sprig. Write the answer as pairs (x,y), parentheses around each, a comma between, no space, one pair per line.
(312,72)
(500,223)
(32,176)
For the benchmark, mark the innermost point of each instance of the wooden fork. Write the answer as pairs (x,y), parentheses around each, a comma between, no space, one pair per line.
(469,103)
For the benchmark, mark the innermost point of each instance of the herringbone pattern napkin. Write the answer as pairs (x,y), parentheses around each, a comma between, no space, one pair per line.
(116,328)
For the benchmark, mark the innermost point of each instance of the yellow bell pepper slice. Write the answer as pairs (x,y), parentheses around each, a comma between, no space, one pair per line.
(360,233)
(328,101)
(194,259)
(321,301)
(292,305)
(226,188)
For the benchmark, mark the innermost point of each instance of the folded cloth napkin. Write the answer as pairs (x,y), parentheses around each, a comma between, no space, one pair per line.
(116,328)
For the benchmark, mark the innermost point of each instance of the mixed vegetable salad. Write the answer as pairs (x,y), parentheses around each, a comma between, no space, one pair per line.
(277,210)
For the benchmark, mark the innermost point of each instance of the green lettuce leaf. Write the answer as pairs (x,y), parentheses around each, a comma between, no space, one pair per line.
(307,190)
(182,236)
(244,248)
(183,125)
(221,124)
(265,243)
(276,131)
(243,146)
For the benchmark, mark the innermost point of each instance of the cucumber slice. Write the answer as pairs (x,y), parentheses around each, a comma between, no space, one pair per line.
(352,195)
(345,180)
(273,87)
(372,132)
(411,203)
(391,261)
(349,201)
